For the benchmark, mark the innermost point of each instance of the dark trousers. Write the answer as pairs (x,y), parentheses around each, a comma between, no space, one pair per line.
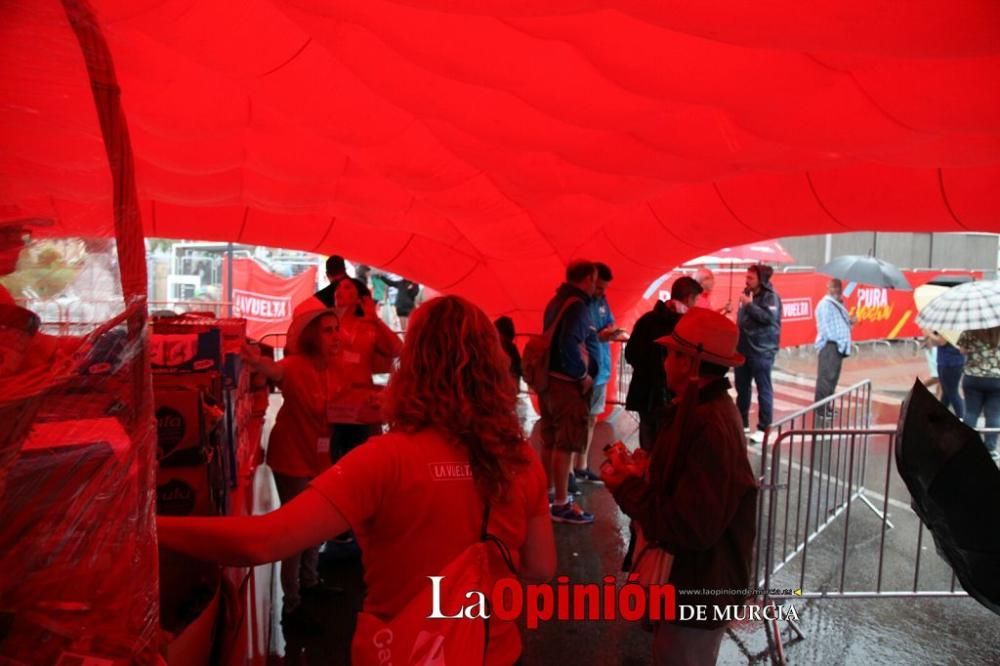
(828,372)
(982,395)
(346,436)
(301,569)
(757,369)
(950,377)
(649,425)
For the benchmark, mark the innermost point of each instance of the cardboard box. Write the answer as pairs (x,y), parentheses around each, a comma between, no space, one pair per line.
(180,427)
(186,491)
(183,350)
(107,354)
(69,526)
(210,383)
(232,336)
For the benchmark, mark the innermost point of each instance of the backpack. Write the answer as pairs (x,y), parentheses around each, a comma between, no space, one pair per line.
(414,639)
(537,352)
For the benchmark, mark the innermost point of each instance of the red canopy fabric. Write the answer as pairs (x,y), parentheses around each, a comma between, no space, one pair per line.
(769,252)
(476,147)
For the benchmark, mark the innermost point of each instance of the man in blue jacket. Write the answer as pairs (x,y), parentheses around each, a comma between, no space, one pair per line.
(603,322)
(759,320)
(565,404)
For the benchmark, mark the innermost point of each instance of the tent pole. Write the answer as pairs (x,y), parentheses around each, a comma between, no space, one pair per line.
(229,276)
(732,265)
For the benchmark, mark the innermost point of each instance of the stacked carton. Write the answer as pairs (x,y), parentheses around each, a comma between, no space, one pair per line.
(207,444)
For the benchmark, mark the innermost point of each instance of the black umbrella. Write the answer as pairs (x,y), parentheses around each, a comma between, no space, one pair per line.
(950,280)
(955,489)
(866,270)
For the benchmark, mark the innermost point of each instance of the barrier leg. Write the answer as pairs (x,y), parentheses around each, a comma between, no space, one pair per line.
(875,510)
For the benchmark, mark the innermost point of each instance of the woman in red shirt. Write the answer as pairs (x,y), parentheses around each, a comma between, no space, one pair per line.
(361,337)
(299,445)
(454,444)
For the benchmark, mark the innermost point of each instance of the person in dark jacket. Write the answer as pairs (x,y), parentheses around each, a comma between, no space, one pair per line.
(406,298)
(695,496)
(759,320)
(336,271)
(647,392)
(565,403)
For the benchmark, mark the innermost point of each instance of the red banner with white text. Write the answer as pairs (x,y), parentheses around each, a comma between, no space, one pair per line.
(264,299)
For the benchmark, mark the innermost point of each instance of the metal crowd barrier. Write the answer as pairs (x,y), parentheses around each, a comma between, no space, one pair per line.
(851,409)
(812,541)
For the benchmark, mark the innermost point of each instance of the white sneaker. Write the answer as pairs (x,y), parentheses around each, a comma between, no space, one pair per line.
(757,437)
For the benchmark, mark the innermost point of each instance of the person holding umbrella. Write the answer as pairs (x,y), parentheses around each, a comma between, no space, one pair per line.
(950,364)
(981,383)
(833,342)
(974,308)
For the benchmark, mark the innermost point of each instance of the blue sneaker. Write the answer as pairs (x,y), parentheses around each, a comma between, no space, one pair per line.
(572,488)
(571,514)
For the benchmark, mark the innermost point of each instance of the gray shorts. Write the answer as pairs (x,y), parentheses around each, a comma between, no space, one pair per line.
(598,398)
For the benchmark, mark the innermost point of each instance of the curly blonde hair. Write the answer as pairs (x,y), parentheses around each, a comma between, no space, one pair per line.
(454,376)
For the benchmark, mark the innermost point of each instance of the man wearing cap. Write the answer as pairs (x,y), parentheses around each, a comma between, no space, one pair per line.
(647,392)
(695,496)
(336,270)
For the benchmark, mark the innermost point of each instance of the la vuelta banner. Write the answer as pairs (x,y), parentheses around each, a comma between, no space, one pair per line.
(883,314)
(264,299)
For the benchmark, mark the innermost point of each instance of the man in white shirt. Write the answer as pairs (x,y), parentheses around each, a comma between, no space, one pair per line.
(833,341)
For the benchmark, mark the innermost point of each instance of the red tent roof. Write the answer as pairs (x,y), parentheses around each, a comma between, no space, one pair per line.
(477,148)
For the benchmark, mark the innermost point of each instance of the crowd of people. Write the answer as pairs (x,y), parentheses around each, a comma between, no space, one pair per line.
(381,288)
(966,369)
(968,374)
(455,446)
(456,465)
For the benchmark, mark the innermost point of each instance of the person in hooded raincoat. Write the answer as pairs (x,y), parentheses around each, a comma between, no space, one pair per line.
(759,321)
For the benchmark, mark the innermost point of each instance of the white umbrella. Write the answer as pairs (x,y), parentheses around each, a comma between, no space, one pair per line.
(923,296)
(968,307)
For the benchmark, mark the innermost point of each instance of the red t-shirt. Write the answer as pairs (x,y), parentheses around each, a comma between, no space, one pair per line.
(359,340)
(295,447)
(413,506)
